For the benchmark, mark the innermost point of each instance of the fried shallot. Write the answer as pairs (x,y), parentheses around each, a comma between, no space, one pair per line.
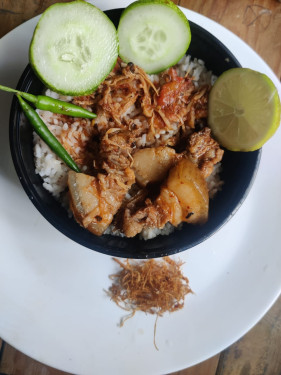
(151,286)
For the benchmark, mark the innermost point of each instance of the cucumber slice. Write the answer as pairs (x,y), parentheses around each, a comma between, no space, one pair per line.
(74,47)
(153,34)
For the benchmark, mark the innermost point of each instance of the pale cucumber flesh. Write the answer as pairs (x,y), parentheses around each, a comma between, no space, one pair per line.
(153,35)
(74,47)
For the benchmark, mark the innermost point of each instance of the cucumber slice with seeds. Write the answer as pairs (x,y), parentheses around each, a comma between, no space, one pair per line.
(74,47)
(153,34)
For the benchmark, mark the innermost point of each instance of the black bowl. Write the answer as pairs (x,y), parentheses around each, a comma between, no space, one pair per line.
(238,173)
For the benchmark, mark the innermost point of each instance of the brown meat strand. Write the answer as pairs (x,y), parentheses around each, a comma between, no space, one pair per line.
(204,151)
(123,88)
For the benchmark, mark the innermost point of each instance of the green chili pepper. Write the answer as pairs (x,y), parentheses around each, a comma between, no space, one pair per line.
(43,132)
(53,105)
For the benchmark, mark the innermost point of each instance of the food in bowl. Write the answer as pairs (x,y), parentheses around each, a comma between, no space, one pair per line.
(237,173)
(148,159)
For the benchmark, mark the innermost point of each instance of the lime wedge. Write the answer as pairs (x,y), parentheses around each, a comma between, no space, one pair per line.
(244,109)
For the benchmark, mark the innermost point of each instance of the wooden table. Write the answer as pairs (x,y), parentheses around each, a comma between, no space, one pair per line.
(258,23)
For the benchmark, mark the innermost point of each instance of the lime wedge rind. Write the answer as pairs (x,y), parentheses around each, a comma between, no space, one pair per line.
(252,100)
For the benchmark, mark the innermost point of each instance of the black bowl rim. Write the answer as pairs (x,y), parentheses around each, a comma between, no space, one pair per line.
(40,206)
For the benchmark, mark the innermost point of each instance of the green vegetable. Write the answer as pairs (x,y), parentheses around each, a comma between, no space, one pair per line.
(43,132)
(74,47)
(53,105)
(153,34)
(244,109)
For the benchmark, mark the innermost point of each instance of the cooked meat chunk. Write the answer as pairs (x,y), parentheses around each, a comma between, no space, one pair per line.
(179,100)
(186,181)
(183,197)
(174,96)
(166,208)
(115,151)
(95,200)
(152,164)
(204,151)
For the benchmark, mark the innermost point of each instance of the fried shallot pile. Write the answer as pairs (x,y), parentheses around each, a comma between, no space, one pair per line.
(152,286)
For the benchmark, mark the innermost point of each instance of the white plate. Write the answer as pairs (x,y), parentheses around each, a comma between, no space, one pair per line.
(53,305)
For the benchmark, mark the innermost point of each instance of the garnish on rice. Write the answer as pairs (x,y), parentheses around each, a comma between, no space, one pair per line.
(151,286)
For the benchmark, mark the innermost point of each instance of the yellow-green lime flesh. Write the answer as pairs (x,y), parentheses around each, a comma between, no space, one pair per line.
(244,109)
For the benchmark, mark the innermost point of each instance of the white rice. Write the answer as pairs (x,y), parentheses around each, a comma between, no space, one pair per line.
(51,169)
(54,172)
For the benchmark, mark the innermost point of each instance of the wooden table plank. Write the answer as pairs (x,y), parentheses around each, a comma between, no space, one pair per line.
(1,347)
(257,353)
(15,12)
(16,363)
(257,22)
(208,367)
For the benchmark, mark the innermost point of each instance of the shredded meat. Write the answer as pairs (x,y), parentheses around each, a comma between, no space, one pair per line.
(174,96)
(115,151)
(133,114)
(197,107)
(204,151)
(86,101)
(166,208)
(95,201)
(122,89)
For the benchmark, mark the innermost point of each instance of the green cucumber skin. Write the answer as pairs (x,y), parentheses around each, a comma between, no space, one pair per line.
(169,4)
(42,79)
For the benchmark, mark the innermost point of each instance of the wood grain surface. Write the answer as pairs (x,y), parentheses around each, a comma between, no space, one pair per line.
(258,23)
